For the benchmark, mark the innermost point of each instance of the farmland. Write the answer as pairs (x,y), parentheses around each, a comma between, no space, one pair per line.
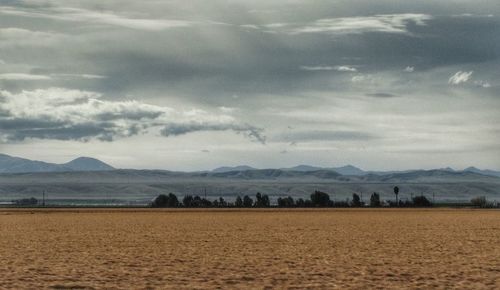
(256,248)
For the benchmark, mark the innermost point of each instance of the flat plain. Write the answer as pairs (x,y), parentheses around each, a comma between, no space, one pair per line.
(249,249)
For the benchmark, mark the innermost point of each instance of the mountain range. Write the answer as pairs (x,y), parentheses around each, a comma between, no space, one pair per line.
(9,164)
(90,179)
(354,171)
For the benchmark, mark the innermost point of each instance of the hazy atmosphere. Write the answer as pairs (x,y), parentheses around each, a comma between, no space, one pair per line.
(195,85)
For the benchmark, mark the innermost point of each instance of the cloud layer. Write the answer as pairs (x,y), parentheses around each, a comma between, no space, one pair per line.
(63,114)
(364,82)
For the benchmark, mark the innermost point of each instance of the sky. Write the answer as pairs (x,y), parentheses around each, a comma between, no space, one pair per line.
(193,85)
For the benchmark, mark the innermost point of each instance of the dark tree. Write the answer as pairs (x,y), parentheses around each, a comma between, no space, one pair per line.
(319,198)
(160,201)
(163,200)
(286,202)
(172,200)
(238,202)
(247,201)
(396,192)
(300,202)
(421,201)
(205,202)
(187,201)
(262,200)
(222,202)
(266,202)
(375,200)
(356,200)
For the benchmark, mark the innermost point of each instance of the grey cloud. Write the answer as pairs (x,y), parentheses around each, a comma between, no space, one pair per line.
(245,129)
(108,18)
(247,63)
(23,77)
(78,115)
(381,95)
(125,50)
(483,84)
(325,135)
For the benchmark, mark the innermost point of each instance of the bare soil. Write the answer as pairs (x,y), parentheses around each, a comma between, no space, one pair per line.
(250,249)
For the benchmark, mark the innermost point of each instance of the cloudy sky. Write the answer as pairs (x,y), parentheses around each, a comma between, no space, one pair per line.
(189,85)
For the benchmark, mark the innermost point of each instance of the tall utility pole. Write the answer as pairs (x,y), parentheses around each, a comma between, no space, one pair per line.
(43,199)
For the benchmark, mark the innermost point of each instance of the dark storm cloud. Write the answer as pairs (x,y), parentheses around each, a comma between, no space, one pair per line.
(203,58)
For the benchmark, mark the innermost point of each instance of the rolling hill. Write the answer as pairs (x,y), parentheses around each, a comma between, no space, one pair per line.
(10,164)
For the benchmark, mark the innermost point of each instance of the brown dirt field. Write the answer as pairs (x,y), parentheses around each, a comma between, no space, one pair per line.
(326,249)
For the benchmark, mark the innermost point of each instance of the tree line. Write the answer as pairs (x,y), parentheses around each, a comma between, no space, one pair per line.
(316,199)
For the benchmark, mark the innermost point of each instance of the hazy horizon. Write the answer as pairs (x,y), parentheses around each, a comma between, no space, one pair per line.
(195,85)
(258,168)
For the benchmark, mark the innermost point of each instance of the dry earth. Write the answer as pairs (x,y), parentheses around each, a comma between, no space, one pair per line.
(326,249)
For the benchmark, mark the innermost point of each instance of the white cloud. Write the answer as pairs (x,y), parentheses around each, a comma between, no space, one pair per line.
(388,23)
(83,76)
(316,68)
(409,69)
(483,84)
(19,37)
(251,26)
(460,77)
(23,77)
(346,68)
(62,114)
(341,68)
(108,18)
(227,110)
(361,78)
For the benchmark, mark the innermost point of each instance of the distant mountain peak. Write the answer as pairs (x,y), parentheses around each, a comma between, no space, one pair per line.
(87,164)
(349,170)
(10,164)
(303,167)
(233,168)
